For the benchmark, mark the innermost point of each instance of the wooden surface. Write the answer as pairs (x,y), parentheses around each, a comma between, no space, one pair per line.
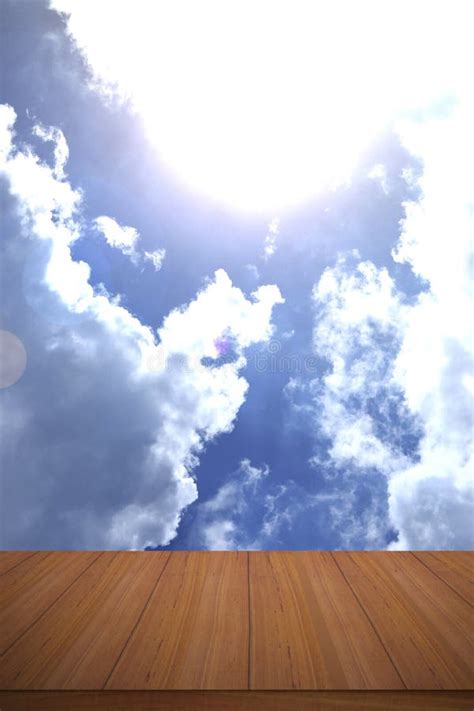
(425,626)
(236,621)
(308,628)
(29,590)
(194,631)
(236,701)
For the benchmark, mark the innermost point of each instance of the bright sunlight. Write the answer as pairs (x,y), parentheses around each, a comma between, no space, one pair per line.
(262,104)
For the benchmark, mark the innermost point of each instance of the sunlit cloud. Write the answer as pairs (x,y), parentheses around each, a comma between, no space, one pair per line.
(270,244)
(126,239)
(400,368)
(135,433)
(121,237)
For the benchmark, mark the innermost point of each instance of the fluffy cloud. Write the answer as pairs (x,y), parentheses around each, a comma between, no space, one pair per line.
(126,239)
(432,501)
(225,521)
(398,397)
(358,323)
(106,425)
(121,237)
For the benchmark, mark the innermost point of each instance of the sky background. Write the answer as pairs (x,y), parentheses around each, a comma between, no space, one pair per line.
(195,364)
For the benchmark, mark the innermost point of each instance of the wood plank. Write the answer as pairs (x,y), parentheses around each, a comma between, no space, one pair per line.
(308,630)
(78,641)
(28,590)
(194,632)
(454,567)
(23,577)
(318,621)
(447,616)
(237,701)
(424,626)
(10,559)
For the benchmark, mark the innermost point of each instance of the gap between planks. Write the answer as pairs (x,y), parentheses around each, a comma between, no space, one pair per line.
(138,621)
(369,620)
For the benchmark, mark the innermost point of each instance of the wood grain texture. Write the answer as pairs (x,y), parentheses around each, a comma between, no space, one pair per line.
(78,641)
(425,627)
(11,559)
(275,621)
(455,568)
(308,629)
(238,701)
(194,632)
(22,577)
(29,589)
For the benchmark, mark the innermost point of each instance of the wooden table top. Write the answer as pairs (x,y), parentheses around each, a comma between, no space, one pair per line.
(235,621)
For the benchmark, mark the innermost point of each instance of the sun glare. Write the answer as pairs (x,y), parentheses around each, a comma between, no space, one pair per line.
(263,103)
(253,108)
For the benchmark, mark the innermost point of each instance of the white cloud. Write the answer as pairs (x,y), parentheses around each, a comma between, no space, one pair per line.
(228,313)
(402,368)
(7,119)
(253,475)
(219,536)
(432,501)
(356,525)
(221,520)
(359,316)
(98,448)
(126,239)
(253,270)
(156,258)
(280,510)
(379,174)
(118,236)
(250,511)
(61,151)
(270,243)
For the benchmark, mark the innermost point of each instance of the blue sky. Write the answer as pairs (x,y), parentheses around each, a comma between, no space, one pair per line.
(198,365)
